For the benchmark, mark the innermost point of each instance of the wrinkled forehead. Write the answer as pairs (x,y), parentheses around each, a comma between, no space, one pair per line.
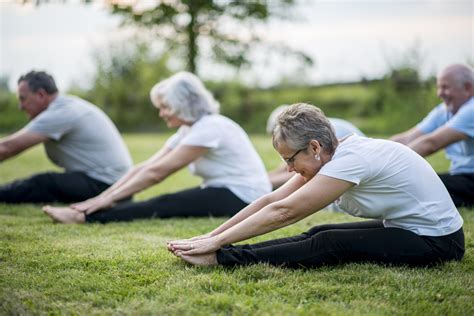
(448,78)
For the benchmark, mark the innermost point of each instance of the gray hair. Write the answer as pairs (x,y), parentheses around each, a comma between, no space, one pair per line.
(186,95)
(462,74)
(300,123)
(272,119)
(39,80)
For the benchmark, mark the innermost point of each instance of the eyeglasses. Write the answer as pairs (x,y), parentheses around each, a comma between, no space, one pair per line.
(291,160)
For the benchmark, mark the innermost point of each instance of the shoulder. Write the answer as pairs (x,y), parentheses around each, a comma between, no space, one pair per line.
(354,148)
(439,110)
(68,104)
(214,121)
(467,108)
(367,150)
(349,161)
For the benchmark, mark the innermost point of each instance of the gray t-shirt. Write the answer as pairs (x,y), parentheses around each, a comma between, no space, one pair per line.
(82,138)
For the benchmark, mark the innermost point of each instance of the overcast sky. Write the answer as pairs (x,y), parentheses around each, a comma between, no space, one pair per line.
(348,39)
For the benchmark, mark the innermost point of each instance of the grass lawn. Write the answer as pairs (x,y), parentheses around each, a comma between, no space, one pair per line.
(124,268)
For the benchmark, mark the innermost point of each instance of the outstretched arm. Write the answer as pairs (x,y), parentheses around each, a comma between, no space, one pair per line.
(148,174)
(407,136)
(18,142)
(310,198)
(291,186)
(136,169)
(439,139)
(284,191)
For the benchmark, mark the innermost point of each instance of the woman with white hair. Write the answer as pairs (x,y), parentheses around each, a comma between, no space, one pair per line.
(214,147)
(414,221)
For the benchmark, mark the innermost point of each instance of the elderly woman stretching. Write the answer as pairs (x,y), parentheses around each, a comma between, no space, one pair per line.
(213,146)
(415,221)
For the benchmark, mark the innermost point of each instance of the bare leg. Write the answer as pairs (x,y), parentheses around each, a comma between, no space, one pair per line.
(64,215)
(208,259)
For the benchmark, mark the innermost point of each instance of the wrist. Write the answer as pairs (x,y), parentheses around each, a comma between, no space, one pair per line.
(220,240)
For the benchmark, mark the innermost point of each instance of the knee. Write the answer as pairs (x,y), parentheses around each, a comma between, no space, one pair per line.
(42,179)
(318,229)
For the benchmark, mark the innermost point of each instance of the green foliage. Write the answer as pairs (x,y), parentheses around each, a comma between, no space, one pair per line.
(126,72)
(397,108)
(124,268)
(10,115)
(122,84)
(187,26)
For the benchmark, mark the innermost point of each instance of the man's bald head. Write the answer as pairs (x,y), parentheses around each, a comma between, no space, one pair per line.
(461,74)
(455,86)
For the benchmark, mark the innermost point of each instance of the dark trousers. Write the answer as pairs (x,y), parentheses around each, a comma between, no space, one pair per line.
(192,202)
(51,187)
(334,244)
(460,187)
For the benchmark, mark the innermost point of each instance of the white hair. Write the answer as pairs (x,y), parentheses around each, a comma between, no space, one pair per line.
(272,119)
(186,95)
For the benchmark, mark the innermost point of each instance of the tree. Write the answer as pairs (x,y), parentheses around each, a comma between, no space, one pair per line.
(125,74)
(225,26)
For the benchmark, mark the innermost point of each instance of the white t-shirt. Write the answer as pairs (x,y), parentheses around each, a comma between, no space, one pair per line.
(392,183)
(231,161)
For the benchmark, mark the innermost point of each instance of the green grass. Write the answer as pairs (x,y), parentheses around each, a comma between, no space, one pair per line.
(123,268)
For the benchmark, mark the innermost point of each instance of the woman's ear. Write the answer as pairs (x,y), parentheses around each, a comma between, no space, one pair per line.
(315,147)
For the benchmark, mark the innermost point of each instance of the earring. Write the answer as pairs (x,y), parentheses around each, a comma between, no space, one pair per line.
(317,157)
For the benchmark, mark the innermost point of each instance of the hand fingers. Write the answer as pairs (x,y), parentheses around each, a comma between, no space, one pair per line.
(78,210)
(79,207)
(195,251)
(182,247)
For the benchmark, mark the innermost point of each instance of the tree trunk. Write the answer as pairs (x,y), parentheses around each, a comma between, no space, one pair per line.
(192,38)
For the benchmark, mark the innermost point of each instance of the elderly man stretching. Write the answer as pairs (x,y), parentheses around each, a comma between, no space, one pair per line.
(77,136)
(450,125)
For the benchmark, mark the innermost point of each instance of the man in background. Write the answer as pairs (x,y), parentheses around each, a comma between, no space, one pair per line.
(450,126)
(77,136)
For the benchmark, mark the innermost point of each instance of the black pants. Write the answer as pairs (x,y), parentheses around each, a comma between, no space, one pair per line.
(460,187)
(191,202)
(334,244)
(50,187)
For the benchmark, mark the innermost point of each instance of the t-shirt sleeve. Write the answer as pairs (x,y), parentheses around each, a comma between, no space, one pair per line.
(351,167)
(175,139)
(463,120)
(53,124)
(202,135)
(433,120)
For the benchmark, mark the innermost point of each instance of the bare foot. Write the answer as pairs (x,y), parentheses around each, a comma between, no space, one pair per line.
(64,215)
(209,259)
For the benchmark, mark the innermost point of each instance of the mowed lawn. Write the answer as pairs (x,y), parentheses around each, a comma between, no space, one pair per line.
(124,268)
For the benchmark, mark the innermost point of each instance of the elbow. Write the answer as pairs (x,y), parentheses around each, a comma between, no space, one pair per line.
(430,147)
(5,152)
(396,138)
(155,174)
(283,216)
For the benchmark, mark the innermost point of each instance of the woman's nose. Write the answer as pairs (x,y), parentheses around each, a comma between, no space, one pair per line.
(290,167)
